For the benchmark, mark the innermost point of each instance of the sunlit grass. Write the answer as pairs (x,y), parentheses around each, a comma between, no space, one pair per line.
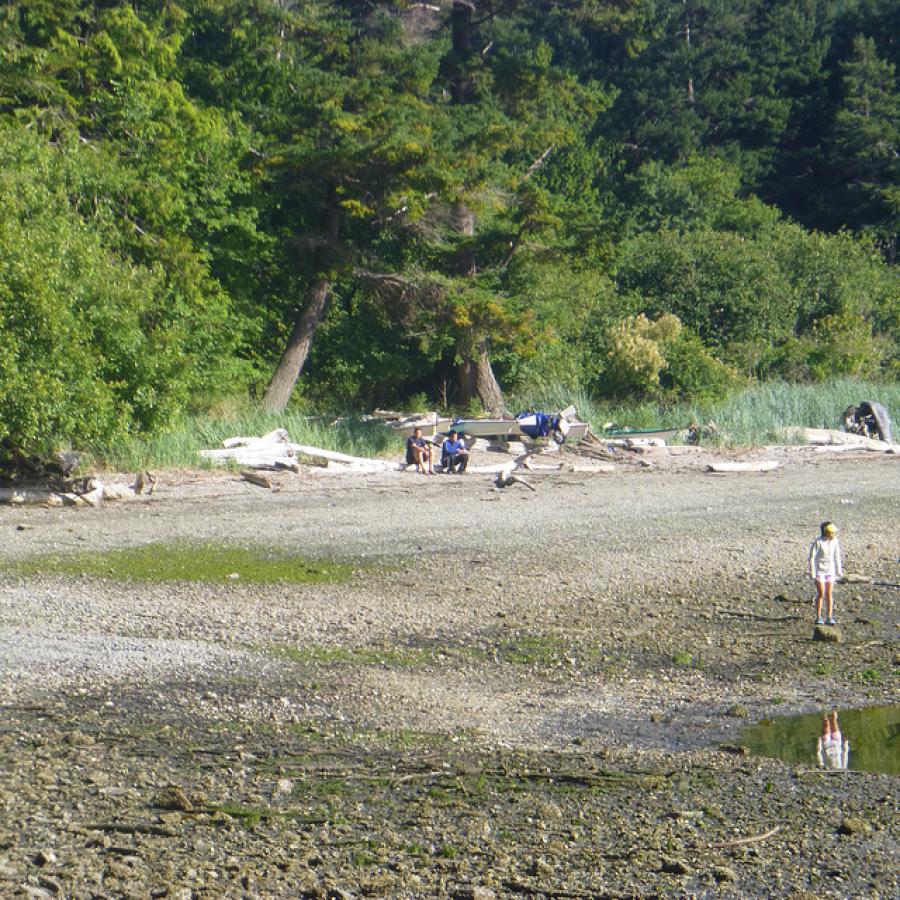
(750,417)
(753,416)
(180,445)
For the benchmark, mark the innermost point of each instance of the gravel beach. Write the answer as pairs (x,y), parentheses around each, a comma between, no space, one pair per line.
(516,693)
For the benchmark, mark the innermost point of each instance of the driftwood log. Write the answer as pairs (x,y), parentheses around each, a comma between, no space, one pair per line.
(830,437)
(506,476)
(88,491)
(275,450)
(763,465)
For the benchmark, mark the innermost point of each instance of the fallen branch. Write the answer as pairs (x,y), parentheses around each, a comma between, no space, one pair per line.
(752,839)
(505,476)
(131,828)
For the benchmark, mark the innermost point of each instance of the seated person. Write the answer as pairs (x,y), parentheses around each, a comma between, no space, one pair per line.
(454,454)
(418,452)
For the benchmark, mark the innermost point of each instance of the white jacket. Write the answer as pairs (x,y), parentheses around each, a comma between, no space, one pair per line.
(825,559)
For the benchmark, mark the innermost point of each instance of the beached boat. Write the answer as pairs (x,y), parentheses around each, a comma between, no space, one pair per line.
(431,426)
(528,425)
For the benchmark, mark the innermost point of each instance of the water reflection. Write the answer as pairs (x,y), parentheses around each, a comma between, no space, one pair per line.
(832,751)
(872,732)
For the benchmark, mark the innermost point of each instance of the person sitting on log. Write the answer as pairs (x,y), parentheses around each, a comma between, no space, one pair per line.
(454,454)
(418,453)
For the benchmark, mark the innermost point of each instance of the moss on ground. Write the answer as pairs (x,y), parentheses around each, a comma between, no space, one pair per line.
(184,561)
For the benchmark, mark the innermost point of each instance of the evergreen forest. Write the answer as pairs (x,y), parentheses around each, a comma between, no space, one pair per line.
(347,204)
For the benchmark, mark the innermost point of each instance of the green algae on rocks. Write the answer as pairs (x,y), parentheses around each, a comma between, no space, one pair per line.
(182,561)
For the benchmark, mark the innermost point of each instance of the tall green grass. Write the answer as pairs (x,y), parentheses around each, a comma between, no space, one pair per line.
(750,417)
(180,445)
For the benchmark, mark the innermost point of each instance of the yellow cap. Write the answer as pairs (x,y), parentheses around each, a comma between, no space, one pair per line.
(830,529)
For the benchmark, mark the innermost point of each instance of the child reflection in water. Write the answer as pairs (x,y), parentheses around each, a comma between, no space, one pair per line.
(832,750)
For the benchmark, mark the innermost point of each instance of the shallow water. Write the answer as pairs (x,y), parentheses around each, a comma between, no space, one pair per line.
(872,732)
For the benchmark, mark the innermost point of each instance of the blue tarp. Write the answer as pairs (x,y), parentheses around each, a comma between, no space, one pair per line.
(544,423)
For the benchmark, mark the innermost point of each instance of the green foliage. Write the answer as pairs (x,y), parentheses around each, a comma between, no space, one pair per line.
(636,354)
(661,359)
(686,659)
(866,145)
(94,344)
(693,373)
(519,188)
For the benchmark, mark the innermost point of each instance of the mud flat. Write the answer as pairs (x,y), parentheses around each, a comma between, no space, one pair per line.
(515,693)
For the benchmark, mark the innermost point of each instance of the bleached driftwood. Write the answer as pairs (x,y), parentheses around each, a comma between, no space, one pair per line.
(506,476)
(119,492)
(644,443)
(764,465)
(823,437)
(278,436)
(31,497)
(380,465)
(266,452)
(591,468)
(89,493)
(276,451)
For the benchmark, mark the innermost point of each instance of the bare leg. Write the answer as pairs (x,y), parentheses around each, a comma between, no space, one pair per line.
(829,600)
(820,593)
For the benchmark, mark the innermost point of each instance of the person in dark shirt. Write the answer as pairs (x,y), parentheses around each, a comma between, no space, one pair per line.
(418,452)
(454,454)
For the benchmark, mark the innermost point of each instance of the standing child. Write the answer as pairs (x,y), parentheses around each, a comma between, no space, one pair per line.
(825,567)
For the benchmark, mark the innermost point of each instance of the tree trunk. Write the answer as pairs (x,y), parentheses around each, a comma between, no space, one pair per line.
(280,388)
(457,70)
(475,376)
(294,357)
(477,380)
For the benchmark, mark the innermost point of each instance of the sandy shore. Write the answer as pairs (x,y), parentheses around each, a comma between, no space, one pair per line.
(519,691)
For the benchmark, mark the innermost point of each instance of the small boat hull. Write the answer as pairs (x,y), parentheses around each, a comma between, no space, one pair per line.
(429,429)
(507,428)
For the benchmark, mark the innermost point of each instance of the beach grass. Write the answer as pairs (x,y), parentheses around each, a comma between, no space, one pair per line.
(751,417)
(180,445)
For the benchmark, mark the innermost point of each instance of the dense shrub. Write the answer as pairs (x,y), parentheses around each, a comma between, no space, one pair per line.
(662,360)
(92,344)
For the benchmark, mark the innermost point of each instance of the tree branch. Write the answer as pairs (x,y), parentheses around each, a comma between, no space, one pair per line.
(539,162)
